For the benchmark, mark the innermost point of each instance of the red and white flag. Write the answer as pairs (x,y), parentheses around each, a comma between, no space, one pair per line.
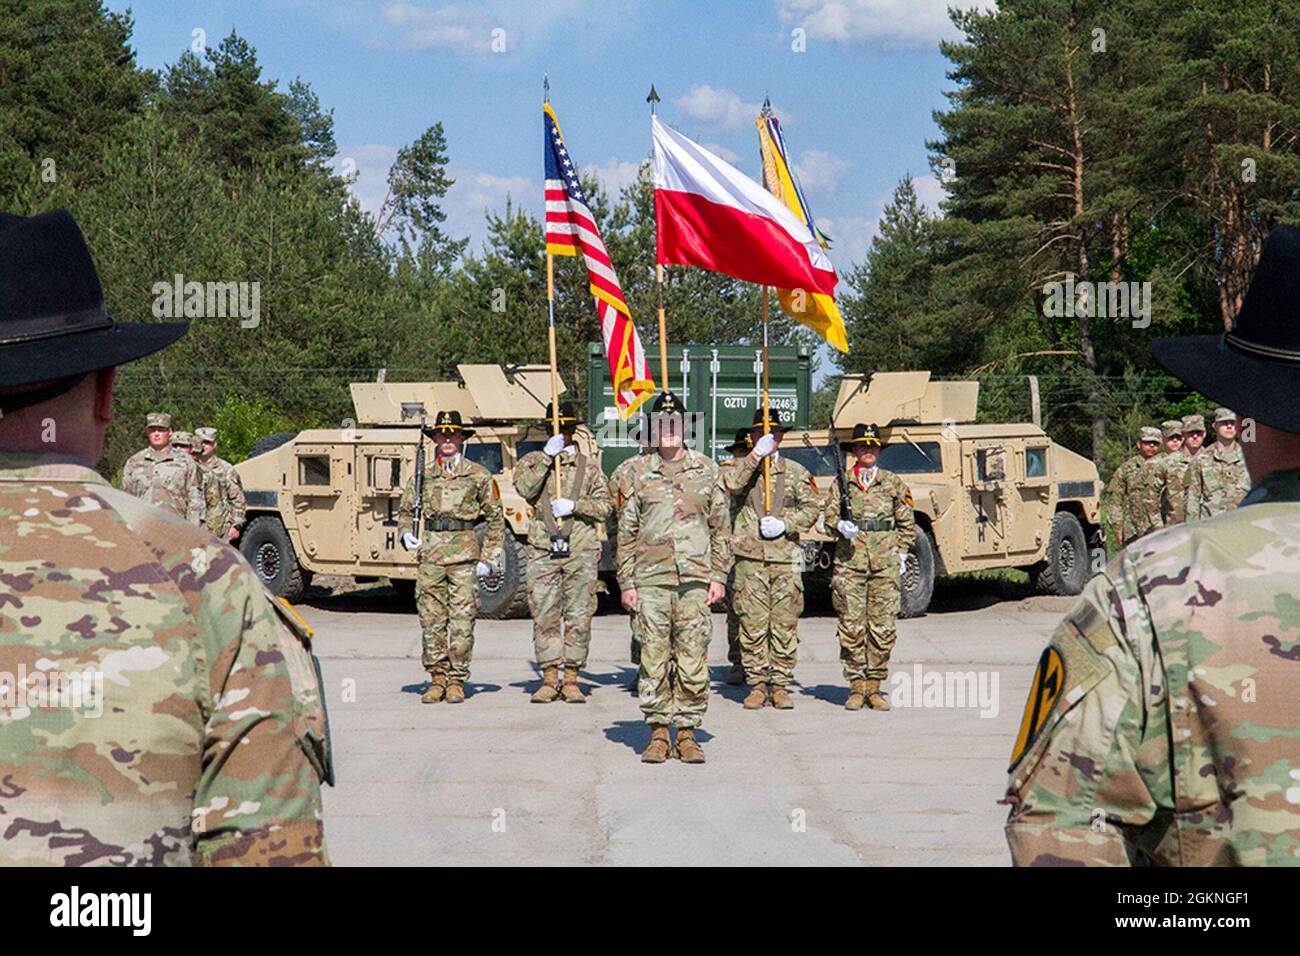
(710,214)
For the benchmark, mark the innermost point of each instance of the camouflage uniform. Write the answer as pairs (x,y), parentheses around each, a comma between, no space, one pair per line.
(457,494)
(1133,498)
(620,486)
(1217,482)
(207,742)
(672,542)
(768,594)
(1162,720)
(228,508)
(563,589)
(169,479)
(865,585)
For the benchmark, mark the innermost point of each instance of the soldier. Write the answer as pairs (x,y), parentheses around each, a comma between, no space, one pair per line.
(458,493)
(768,590)
(673,560)
(163,475)
(231,504)
(620,486)
(1219,480)
(166,709)
(209,491)
(1161,723)
(1173,495)
(564,546)
(870,557)
(739,448)
(1133,492)
(1168,462)
(1171,435)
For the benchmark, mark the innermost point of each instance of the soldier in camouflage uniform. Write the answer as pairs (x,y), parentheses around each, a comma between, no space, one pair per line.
(1133,493)
(564,552)
(768,591)
(673,560)
(230,498)
(620,485)
(739,448)
(159,707)
(1173,487)
(870,554)
(1219,479)
(209,490)
(165,476)
(1161,722)
(458,494)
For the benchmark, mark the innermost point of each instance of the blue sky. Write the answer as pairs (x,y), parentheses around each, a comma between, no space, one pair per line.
(856,103)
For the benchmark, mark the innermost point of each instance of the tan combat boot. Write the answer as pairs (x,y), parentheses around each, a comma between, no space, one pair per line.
(688,748)
(455,692)
(757,698)
(659,747)
(781,699)
(437,689)
(875,699)
(550,689)
(572,692)
(858,695)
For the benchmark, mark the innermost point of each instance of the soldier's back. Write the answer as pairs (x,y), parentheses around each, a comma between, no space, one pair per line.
(157,703)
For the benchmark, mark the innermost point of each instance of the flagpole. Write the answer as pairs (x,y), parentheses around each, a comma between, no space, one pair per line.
(550,327)
(652,99)
(767,422)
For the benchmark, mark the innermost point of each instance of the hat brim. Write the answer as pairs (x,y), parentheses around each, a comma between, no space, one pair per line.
(1252,387)
(43,360)
(437,430)
(861,441)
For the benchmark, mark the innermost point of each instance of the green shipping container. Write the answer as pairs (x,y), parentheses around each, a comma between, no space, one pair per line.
(722,384)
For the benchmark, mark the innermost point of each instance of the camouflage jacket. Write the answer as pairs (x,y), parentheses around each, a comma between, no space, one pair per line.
(169,479)
(794,500)
(468,496)
(885,503)
(674,530)
(1162,721)
(534,479)
(1218,482)
(621,478)
(1133,498)
(187,725)
(225,496)
(1172,483)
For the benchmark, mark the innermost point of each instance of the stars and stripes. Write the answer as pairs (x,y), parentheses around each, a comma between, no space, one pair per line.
(570,230)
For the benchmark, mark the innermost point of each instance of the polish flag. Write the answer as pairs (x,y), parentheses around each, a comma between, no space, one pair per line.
(710,214)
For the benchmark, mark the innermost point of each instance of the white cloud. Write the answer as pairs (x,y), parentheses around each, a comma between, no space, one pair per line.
(820,172)
(850,238)
(883,22)
(456,28)
(476,192)
(930,192)
(716,109)
(367,165)
(615,174)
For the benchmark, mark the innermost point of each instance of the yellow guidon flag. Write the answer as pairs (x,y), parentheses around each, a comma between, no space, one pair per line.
(814,309)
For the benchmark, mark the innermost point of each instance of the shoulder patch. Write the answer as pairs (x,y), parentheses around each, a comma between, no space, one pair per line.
(1044,692)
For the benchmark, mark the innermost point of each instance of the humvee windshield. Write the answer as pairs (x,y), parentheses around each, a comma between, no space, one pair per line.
(902,458)
(486,454)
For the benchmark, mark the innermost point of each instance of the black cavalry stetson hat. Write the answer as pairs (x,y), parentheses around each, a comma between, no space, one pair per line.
(862,434)
(742,444)
(773,419)
(668,404)
(1255,368)
(450,421)
(568,414)
(53,321)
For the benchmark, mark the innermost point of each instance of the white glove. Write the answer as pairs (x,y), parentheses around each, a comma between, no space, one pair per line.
(410,542)
(765,446)
(902,563)
(562,507)
(846,528)
(771,527)
(554,445)
(483,569)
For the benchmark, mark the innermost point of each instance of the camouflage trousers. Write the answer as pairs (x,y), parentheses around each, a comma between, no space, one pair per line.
(867,604)
(446,596)
(768,600)
(675,627)
(562,599)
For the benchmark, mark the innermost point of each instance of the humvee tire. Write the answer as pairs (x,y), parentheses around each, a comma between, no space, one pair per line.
(270,443)
(918,582)
(1065,570)
(505,594)
(268,549)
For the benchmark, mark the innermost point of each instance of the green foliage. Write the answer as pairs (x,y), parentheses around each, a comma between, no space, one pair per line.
(242,422)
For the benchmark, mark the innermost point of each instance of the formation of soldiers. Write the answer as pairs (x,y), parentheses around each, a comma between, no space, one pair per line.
(688,531)
(1177,477)
(180,472)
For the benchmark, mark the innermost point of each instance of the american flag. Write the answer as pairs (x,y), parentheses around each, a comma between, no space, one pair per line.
(570,229)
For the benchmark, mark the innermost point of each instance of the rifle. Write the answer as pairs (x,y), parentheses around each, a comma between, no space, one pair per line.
(411,539)
(842,479)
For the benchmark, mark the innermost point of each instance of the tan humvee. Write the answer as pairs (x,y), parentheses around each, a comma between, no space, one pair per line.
(325,501)
(986,496)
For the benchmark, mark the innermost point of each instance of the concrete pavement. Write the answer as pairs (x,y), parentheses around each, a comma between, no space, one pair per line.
(499,780)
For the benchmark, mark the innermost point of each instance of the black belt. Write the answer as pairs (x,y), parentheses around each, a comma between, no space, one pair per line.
(447,524)
(879,524)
